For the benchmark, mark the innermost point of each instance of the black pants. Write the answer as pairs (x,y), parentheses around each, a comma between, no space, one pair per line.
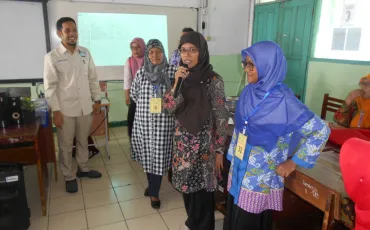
(200,207)
(131,117)
(238,219)
(154,182)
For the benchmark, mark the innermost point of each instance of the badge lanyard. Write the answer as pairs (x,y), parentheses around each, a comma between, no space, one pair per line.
(255,109)
(155,88)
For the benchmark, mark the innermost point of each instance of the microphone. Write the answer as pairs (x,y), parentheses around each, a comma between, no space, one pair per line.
(179,83)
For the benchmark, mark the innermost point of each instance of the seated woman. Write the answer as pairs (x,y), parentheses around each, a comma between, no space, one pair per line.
(355,111)
(274,133)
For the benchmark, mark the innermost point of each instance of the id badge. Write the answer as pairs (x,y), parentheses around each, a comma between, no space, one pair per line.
(240,147)
(156,105)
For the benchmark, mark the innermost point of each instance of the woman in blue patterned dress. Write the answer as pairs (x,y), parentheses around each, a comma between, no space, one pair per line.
(274,133)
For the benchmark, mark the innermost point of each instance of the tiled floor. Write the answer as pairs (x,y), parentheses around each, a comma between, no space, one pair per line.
(113,202)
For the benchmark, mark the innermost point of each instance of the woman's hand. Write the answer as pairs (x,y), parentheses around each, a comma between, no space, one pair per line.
(352,95)
(181,72)
(286,168)
(219,162)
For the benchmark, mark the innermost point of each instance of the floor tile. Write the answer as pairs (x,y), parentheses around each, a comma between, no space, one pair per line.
(120,134)
(219,224)
(219,215)
(124,179)
(66,204)
(114,149)
(104,215)
(39,223)
(152,222)
(124,141)
(137,166)
(35,207)
(115,226)
(143,178)
(92,185)
(115,159)
(97,160)
(172,200)
(115,169)
(100,169)
(68,221)
(99,198)
(166,187)
(129,192)
(175,219)
(137,208)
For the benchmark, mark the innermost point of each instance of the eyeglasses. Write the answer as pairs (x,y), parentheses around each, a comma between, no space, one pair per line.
(189,50)
(249,65)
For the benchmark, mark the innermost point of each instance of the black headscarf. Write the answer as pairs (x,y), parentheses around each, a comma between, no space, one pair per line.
(194,111)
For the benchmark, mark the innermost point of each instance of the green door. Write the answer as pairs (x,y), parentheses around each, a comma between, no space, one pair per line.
(265,23)
(294,33)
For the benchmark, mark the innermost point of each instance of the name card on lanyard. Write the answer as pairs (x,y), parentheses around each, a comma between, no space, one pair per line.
(155,103)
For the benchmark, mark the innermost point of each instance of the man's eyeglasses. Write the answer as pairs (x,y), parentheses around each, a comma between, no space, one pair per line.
(189,50)
(249,65)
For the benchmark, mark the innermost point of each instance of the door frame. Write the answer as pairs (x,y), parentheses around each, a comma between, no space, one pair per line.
(312,37)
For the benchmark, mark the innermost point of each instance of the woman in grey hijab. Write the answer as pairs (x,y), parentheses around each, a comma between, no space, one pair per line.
(153,129)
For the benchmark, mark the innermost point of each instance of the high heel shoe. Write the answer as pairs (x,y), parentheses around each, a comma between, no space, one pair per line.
(146,193)
(156,204)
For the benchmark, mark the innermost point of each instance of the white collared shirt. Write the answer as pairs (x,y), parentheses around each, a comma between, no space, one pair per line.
(70,81)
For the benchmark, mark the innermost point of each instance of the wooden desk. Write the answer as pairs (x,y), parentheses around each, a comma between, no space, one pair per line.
(323,188)
(28,145)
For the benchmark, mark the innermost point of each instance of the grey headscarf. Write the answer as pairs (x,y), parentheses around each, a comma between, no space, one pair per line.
(156,74)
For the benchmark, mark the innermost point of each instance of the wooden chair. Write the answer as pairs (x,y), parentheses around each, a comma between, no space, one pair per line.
(330,104)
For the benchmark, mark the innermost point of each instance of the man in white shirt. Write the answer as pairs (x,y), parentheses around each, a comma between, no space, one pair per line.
(71,83)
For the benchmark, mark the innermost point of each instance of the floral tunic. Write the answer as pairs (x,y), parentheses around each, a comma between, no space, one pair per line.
(194,157)
(262,188)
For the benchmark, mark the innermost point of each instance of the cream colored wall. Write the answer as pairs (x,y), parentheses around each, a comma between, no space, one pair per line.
(337,79)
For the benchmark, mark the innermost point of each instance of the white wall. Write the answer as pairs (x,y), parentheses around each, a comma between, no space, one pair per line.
(227,25)
(171,3)
(226,21)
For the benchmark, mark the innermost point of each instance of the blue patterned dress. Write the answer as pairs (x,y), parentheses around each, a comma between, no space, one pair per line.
(262,189)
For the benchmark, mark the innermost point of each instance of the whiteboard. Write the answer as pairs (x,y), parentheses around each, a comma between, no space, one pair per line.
(23,43)
(177,18)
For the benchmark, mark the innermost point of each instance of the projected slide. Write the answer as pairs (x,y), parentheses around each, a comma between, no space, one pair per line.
(108,36)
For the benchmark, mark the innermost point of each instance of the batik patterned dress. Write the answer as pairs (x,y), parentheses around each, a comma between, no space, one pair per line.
(152,134)
(262,189)
(194,157)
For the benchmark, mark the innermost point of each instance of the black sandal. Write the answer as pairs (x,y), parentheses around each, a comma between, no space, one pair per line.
(146,193)
(156,204)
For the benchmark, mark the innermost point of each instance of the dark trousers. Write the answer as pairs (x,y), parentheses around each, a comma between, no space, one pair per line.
(239,219)
(154,182)
(200,207)
(131,117)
